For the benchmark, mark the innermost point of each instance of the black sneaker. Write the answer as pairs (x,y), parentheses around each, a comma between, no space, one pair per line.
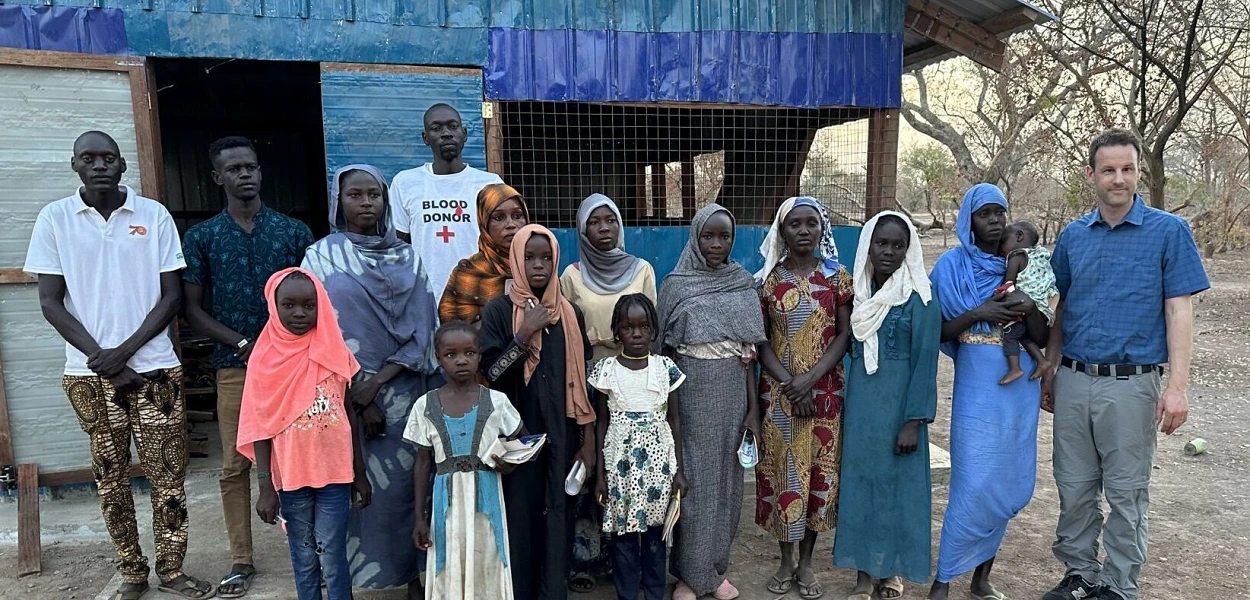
(1105,593)
(1074,587)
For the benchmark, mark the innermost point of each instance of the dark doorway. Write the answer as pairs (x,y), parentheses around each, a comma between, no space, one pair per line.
(275,104)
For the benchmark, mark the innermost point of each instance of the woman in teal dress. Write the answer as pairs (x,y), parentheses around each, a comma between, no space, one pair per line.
(884,509)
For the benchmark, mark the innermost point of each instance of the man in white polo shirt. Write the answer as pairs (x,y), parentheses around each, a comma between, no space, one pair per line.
(108,262)
(435,205)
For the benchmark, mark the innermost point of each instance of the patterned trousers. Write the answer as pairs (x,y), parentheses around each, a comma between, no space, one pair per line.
(155,417)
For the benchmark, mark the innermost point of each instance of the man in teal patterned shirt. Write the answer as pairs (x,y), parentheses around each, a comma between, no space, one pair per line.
(229,258)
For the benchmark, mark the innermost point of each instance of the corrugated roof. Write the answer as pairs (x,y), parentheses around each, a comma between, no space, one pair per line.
(979,12)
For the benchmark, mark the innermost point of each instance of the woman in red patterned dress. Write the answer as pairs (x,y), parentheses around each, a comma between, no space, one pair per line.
(806,298)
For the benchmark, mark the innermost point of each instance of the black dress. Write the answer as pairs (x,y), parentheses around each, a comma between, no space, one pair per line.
(540,514)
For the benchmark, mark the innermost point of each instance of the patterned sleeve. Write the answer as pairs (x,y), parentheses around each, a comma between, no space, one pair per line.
(675,376)
(597,375)
(417,431)
(846,286)
(193,253)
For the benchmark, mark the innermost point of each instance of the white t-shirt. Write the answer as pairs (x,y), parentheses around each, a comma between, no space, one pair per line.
(112,271)
(440,213)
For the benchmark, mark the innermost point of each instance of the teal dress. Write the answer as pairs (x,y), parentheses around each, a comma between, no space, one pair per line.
(885,509)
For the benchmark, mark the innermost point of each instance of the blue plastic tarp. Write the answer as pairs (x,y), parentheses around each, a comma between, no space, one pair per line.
(64,28)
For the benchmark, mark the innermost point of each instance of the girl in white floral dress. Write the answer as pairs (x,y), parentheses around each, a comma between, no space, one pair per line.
(639,465)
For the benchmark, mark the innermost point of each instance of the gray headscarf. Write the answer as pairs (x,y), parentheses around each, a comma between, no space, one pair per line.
(701,304)
(604,273)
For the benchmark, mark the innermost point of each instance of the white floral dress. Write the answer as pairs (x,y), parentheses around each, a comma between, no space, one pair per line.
(638,453)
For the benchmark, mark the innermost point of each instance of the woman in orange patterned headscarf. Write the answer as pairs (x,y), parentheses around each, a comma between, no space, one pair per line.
(477,280)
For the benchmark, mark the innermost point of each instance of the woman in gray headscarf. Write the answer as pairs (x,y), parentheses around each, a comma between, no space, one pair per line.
(605,272)
(710,322)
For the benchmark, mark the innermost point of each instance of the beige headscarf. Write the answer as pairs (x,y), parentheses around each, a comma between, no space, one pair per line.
(871,309)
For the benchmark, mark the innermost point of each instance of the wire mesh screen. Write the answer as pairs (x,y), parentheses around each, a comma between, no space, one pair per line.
(662,162)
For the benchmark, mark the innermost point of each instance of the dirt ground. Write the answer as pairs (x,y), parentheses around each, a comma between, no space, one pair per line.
(1199,519)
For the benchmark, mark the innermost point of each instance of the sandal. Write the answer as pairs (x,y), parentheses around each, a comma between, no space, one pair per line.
(683,592)
(237,582)
(996,595)
(130,591)
(810,590)
(726,591)
(581,583)
(781,586)
(188,587)
(893,584)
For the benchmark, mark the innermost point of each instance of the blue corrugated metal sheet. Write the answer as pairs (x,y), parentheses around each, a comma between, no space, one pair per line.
(661,246)
(64,29)
(377,118)
(446,32)
(789,69)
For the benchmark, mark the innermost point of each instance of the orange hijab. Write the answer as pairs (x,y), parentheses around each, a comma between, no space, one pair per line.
(576,405)
(480,278)
(285,369)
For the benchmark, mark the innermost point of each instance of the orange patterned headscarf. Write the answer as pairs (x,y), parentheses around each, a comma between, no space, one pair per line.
(480,278)
(576,404)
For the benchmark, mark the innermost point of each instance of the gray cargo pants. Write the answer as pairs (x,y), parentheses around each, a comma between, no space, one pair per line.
(1104,441)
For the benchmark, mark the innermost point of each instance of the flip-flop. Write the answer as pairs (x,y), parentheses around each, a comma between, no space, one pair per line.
(239,578)
(581,583)
(893,584)
(811,590)
(859,597)
(997,595)
(130,591)
(683,592)
(782,586)
(189,587)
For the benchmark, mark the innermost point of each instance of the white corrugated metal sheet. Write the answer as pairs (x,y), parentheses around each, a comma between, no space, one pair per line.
(43,110)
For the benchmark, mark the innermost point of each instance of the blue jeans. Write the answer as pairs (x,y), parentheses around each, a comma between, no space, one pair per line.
(638,561)
(316,531)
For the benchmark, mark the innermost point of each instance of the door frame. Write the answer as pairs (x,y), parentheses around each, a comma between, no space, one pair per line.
(142,100)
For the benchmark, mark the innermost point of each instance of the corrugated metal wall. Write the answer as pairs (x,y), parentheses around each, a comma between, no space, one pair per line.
(450,32)
(377,118)
(43,111)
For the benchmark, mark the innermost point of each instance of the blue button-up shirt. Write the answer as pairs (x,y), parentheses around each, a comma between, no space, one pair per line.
(1114,281)
(233,266)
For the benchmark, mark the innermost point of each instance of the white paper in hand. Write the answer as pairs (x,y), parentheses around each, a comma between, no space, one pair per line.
(518,451)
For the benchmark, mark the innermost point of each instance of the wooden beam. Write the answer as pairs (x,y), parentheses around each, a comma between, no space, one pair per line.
(936,22)
(67,60)
(1003,25)
(882,161)
(147,130)
(492,117)
(29,546)
(6,433)
(75,476)
(15,275)
(792,184)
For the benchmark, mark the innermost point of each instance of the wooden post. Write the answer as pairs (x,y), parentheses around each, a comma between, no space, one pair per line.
(29,547)
(492,113)
(882,161)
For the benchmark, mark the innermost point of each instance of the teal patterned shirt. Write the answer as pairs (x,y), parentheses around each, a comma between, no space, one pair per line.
(232,266)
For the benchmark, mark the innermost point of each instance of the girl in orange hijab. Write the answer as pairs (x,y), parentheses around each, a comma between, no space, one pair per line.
(534,349)
(501,213)
(293,424)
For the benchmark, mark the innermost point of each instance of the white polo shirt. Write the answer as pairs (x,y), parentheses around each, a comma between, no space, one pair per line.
(112,271)
(440,213)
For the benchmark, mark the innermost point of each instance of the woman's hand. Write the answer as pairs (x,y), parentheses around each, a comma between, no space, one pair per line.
(373,420)
(601,488)
(752,424)
(362,491)
(421,534)
(536,317)
(363,393)
(1020,302)
(908,438)
(998,310)
(267,504)
(587,455)
(799,388)
(680,485)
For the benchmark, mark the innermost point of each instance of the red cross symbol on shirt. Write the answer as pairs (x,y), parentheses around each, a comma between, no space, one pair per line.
(446,234)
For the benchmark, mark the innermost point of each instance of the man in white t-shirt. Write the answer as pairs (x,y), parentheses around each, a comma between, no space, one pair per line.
(108,262)
(435,205)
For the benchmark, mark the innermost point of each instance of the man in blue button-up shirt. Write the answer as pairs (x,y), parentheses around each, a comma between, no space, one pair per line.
(1126,274)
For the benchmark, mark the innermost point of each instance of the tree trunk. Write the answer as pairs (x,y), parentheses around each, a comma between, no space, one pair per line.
(1157,181)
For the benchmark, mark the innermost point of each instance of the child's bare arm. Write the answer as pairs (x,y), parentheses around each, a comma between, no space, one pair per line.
(1015,264)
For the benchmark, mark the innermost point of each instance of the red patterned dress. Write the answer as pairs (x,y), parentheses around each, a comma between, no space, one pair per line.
(796,480)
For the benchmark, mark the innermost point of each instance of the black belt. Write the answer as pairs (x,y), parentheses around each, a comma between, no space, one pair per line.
(1109,370)
(461,464)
